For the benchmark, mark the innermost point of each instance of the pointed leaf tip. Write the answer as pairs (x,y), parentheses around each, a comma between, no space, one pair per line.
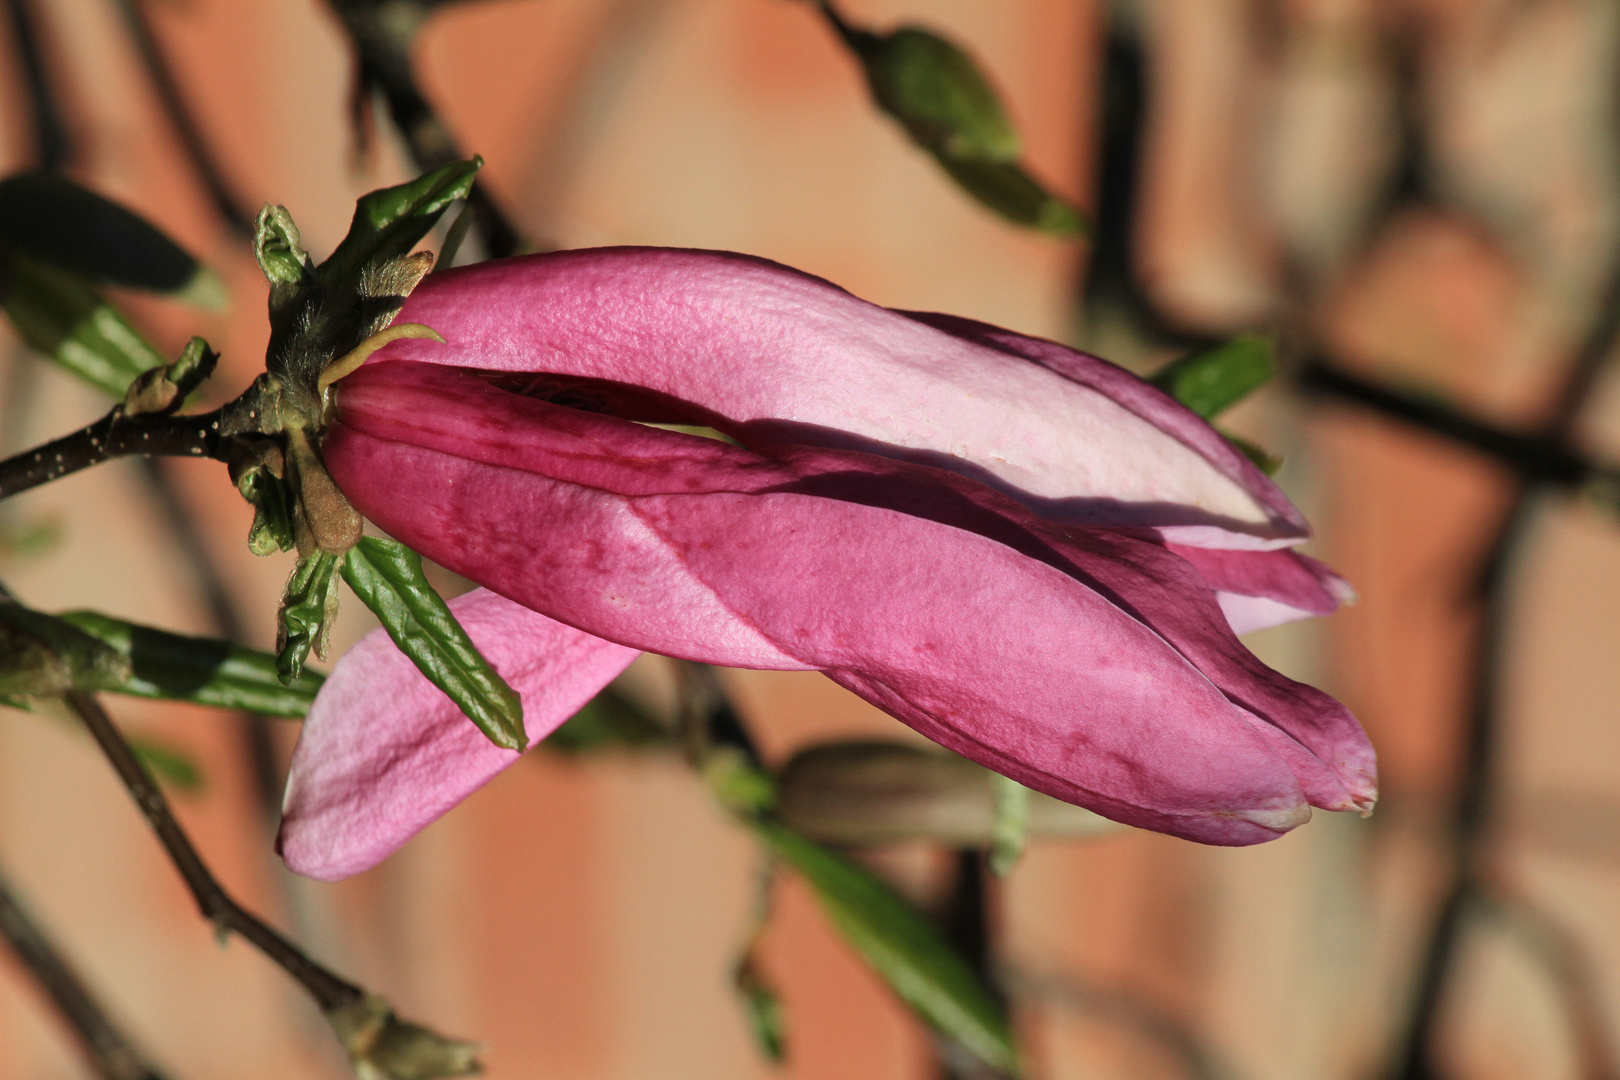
(388,577)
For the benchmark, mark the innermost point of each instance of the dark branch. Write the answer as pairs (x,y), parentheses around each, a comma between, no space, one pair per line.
(114,435)
(382,39)
(181,119)
(52,146)
(329,991)
(108,1051)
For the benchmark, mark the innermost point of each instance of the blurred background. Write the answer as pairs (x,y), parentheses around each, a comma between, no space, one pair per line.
(1417,198)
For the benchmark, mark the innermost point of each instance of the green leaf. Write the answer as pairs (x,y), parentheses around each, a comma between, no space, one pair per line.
(1267,462)
(57,313)
(389,223)
(172,766)
(762,1008)
(609,721)
(901,946)
(388,576)
(207,671)
(308,607)
(1011,192)
(279,249)
(57,222)
(1010,826)
(1211,381)
(937,93)
(44,656)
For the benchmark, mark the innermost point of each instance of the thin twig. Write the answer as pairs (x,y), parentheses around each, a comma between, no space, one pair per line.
(329,991)
(51,142)
(114,435)
(180,117)
(382,35)
(110,1054)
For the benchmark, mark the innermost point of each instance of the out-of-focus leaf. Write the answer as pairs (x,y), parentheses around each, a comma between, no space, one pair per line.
(937,93)
(609,721)
(762,1008)
(27,539)
(169,765)
(61,316)
(1213,380)
(1010,827)
(308,607)
(388,576)
(55,221)
(1011,192)
(901,946)
(388,223)
(44,656)
(737,783)
(207,671)
(1267,462)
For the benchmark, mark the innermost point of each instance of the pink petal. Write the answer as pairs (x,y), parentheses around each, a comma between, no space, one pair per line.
(776,357)
(1070,661)
(1260,589)
(384,753)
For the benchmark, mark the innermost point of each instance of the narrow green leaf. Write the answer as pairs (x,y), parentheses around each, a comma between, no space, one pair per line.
(390,222)
(900,945)
(937,93)
(57,222)
(308,607)
(174,767)
(44,656)
(1267,462)
(762,1008)
(207,671)
(1211,381)
(388,576)
(609,721)
(1011,192)
(57,313)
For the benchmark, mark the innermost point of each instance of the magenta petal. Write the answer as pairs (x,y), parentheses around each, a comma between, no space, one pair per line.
(1080,663)
(1259,589)
(383,752)
(777,357)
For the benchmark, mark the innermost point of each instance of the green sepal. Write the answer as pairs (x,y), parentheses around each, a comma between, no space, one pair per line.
(174,767)
(937,92)
(1011,192)
(207,671)
(44,656)
(898,943)
(1213,380)
(50,218)
(304,621)
(1009,826)
(59,314)
(609,721)
(279,249)
(388,577)
(389,223)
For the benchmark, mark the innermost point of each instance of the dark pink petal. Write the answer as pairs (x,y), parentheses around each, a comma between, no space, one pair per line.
(1258,589)
(1079,662)
(383,753)
(776,357)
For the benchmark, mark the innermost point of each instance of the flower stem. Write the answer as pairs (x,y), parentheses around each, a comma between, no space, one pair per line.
(109,1052)
(329,991)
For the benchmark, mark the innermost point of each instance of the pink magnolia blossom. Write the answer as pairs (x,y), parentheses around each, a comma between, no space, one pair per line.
(1021,551)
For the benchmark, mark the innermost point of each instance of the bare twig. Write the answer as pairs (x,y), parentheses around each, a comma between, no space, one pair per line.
(110,1054)
(329,990)
(114,435)
(181,119)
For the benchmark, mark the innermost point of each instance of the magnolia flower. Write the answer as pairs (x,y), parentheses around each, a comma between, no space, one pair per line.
(1025,553)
